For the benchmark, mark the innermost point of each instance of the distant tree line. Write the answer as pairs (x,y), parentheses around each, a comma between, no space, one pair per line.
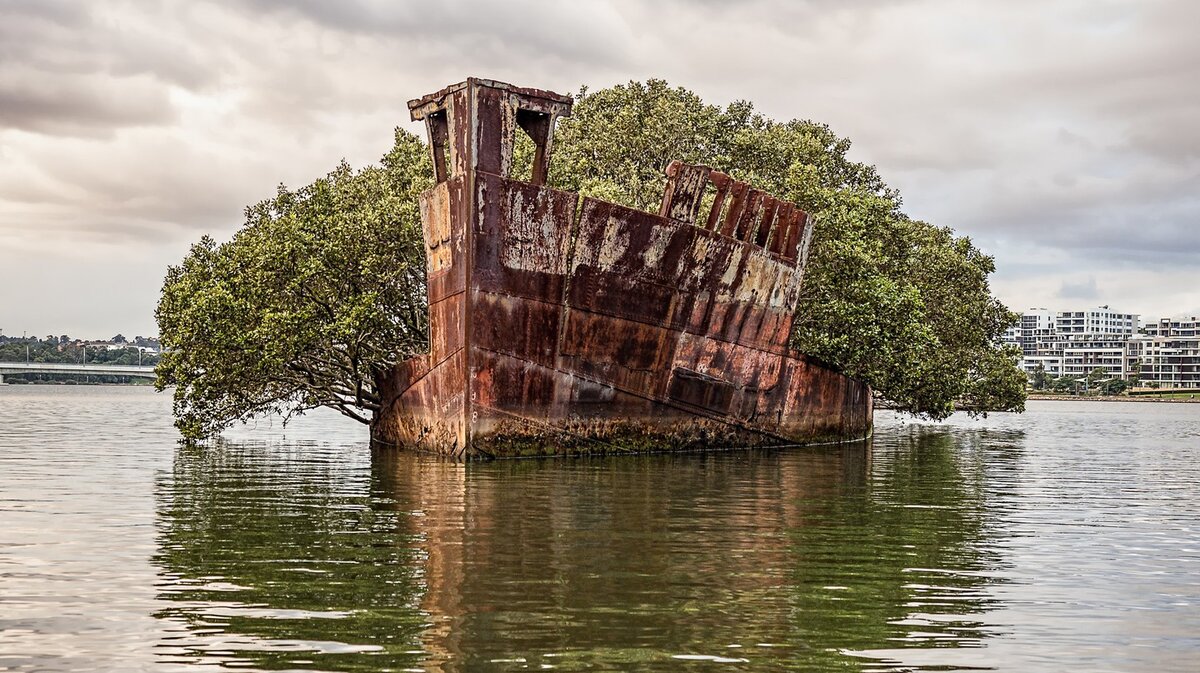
(1097,382)
(67,350)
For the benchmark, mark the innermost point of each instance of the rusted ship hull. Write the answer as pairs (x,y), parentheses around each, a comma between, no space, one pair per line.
(562,325)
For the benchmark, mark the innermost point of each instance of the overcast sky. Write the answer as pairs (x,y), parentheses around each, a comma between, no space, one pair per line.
(1063,136)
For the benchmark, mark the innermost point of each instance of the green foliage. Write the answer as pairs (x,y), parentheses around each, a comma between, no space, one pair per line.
(1096,376)
(63,350)
(1114,387)
(1040,378)
(898,303)
(323,286)
(1065,384)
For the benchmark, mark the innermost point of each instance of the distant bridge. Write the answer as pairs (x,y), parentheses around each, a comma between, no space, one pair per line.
(143,371)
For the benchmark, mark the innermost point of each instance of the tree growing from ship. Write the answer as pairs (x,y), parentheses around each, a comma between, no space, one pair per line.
(324,286)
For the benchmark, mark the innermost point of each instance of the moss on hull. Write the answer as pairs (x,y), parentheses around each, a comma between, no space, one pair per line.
(617,437)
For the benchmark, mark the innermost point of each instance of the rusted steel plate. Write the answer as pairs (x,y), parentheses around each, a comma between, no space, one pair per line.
(511,384)
(522,238)
(628,263)
(753,376)
(447,320)
(729,362)
(686,185)
(748,215)
(697,389)
(784,216)
(804,244)
(419,107)
(821,402)
(722,184)
(429,414)
(629,355)
(521,327)
(713,257)
(739,192)
(765,220)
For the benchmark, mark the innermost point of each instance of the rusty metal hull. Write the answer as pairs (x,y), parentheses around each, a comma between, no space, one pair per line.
(566,325)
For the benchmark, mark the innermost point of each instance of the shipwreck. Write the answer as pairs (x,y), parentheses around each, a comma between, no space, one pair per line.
(562,324)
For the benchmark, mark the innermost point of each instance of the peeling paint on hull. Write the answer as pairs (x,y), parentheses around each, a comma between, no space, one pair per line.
(562,325)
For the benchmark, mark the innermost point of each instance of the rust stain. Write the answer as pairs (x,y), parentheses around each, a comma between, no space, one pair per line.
(561,325)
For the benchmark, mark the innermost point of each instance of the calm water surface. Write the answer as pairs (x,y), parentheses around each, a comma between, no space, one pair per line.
(1065,538)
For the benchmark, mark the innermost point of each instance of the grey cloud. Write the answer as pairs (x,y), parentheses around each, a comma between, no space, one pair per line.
(1066,124)
(80,106)
(156,188)
(1171,134)
(115,39)
(573,31)
(1084,290)
(1059,127)
(1146,216)
(88,70)
(1069,138)
(59,12)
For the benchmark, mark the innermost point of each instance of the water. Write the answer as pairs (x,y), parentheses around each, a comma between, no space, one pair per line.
(1064,538)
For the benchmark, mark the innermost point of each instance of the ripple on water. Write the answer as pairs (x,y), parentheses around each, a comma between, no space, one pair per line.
(1068,534)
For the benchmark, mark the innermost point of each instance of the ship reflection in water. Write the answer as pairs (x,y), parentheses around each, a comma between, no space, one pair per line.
(318,558)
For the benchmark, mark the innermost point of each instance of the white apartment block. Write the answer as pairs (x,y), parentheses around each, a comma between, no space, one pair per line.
(1037,325)
(1075,343)
(1177,327)
(1052,364)
(1099,320)
(1166,353)
(1011,336)
(1077,355)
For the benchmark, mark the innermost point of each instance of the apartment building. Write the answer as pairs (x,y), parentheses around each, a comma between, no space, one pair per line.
(1051,364)
(1074,343)
(1084,353)
(1174,327)
(1036,325)
(1099,320)
(1167,355)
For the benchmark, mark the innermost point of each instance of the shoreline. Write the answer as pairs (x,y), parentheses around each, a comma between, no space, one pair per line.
(70,383)
(1116,398)
(882,404)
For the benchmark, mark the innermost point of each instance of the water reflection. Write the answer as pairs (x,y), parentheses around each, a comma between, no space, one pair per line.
(318,558)
(270,555)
